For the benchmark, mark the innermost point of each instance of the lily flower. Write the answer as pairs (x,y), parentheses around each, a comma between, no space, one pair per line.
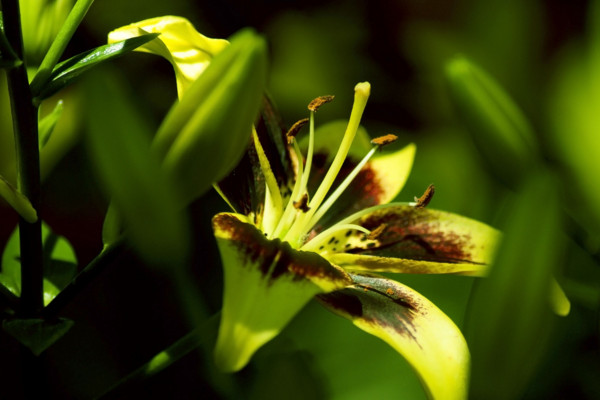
(321,224)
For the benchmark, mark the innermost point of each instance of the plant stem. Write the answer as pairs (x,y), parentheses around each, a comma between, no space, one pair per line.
(24,115)
(59,44)
(83,278)
(25,127)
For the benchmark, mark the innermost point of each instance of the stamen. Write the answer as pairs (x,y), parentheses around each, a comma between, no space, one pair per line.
(293,131)
(422,201)
(302,204)
(340,189)
(361,95)
(383,140)
(322,237)
(375,233)
(318,102)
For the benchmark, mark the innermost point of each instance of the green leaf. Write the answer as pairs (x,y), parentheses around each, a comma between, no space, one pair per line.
(498,127)
(410,324)
(67,71)
(47,124)
(119,146)
(509,318)
(37,334)
(60,263)
(17,201)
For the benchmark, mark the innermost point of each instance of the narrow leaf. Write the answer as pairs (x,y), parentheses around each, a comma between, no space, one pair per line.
(67,71)
(47,124)
(509,318)
(17,201)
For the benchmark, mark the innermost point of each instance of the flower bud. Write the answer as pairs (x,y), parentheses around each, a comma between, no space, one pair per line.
(207,131)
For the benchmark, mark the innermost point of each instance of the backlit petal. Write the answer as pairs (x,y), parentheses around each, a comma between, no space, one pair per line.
(189,51)
(266,284)
(414,240)
(413,326)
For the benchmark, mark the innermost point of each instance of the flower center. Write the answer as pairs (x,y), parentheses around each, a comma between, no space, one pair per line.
(301,213)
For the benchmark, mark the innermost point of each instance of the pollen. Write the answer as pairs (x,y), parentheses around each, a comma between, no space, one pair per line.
(425,198)
(293,131)
(383,140)
(302,204)
(389,291)
(318,102)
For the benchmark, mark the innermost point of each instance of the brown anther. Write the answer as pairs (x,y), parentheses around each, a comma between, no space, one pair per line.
(375,233)
(318,102)
(302,204)
(383,140)
(293,131)
(426,198)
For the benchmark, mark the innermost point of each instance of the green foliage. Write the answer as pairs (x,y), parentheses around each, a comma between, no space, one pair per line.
(68,71)
(60,263)
(498,127)
(509,320)
(119,146)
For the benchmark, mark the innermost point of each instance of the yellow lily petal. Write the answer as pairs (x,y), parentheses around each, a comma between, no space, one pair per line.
(189,51)
(266,284)
(413,326)
(413,240)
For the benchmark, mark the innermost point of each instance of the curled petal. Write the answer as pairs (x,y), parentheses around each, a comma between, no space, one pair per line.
(266,284)
(189,51)
(414,240)
(413,326)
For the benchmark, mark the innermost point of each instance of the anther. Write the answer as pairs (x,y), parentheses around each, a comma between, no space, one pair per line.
(318,102)
(426,198)
(302,204)
(293,131)
(375,233)
(383,140)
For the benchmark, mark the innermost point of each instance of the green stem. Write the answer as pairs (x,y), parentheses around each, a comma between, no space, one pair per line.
(59,44)
(83,278)
(24,115)
(25,126)
(200,338)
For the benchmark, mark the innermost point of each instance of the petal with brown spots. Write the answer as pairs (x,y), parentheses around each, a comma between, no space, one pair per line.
(412,325)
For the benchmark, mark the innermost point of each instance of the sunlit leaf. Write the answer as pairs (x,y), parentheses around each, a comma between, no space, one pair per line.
(68,71)
(47,124)
(17,201)
(60,263)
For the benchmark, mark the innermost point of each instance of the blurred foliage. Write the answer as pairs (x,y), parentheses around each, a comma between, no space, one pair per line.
(544,54)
